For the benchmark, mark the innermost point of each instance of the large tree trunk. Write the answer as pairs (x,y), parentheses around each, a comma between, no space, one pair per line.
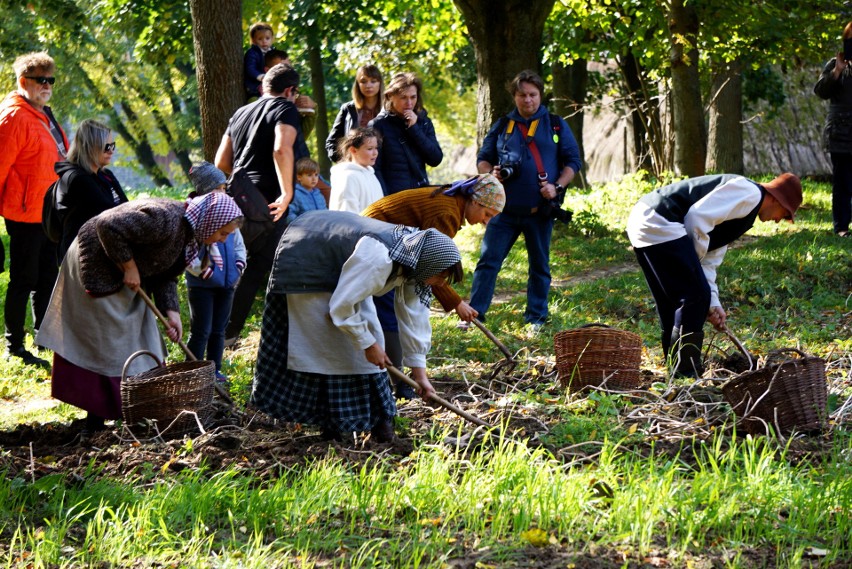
(318,89)
(570,84)
(218,39)
(687,111)
(506,37)
(649,141)
(725,136)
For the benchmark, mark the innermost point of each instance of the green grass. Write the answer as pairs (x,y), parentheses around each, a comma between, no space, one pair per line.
(434,507)
(724,500)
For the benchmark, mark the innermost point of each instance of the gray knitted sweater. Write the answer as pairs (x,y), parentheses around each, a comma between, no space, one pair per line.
(153,232)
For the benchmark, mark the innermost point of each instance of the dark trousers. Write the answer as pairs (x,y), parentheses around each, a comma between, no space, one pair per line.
(209,309)
(259,258)
(32,272)
(841,190)
(678,285)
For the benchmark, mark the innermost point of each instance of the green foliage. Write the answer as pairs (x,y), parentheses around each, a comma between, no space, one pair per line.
(763,84)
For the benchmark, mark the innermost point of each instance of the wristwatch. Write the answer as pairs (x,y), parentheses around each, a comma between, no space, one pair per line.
(559,187)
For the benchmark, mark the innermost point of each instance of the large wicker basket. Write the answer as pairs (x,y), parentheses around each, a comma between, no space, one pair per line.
(596,355)
(787,393)
(154,402)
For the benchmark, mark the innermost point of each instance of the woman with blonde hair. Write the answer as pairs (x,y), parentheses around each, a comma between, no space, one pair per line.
(86,187)
(367,91)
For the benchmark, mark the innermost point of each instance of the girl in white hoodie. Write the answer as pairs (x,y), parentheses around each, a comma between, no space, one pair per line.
(354,184)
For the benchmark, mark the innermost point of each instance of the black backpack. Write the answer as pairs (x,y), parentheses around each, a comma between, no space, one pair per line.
(51,222)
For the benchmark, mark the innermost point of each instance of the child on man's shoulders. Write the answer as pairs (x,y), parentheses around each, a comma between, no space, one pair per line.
(261,37)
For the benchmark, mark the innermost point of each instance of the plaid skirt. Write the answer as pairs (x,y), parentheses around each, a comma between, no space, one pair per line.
(343,403)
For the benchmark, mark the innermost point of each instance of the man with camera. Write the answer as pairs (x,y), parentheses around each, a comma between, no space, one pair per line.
(535,155)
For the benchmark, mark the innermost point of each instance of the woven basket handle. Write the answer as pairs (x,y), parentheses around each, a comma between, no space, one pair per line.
(596,325)
(775,356)
(136,355)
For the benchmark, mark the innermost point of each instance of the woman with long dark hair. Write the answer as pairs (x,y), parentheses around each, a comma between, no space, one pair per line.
(367,91)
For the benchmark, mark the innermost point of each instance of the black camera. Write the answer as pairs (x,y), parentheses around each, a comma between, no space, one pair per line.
(552,210)
(510,164)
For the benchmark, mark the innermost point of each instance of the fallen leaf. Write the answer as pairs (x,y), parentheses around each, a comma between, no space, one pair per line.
(536,536)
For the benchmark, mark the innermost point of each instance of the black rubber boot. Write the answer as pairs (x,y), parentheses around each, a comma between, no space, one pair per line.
(94,424)
(330,434)
(404,391)
(382,432)
(686,354)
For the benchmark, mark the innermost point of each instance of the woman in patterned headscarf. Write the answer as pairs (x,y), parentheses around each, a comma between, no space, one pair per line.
(445,208)
(321,359)
(96,320)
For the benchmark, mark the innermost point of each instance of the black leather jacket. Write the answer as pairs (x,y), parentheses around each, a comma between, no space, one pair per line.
(347,119)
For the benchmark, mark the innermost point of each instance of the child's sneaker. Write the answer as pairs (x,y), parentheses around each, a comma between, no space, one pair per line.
(221,378)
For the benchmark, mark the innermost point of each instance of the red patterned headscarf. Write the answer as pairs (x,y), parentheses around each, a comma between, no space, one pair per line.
(208,214)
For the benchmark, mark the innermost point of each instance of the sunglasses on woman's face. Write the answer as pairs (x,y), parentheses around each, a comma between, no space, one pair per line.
(42,80)
(109,147)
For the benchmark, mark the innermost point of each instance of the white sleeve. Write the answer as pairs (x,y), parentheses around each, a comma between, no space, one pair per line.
(345,191)
(732,200)
(364,274)
(239,246)
(415,330)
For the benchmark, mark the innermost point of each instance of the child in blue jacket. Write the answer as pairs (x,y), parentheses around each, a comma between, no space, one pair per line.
(212,277)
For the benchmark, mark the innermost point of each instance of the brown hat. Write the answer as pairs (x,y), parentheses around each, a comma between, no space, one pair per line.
(787,189)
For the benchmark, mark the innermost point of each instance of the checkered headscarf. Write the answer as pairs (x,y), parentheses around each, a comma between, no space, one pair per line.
(207,214)
(426,253)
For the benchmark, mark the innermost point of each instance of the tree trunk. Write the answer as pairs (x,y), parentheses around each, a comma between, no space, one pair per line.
(318,89)
(725,136)
(570,84)
(649,141)
(506,38)
(687,111)
(218,39)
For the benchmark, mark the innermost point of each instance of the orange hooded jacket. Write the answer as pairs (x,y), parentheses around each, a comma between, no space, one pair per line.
(27,155)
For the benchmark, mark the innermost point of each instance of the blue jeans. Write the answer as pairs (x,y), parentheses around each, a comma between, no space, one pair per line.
(500,234)
(209,309)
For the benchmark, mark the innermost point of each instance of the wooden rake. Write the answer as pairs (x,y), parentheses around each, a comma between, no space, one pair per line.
(507,365)
(438,399)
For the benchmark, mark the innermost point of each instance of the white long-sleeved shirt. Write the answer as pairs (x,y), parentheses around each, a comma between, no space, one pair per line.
(733,199)
(353,187)
(368,272)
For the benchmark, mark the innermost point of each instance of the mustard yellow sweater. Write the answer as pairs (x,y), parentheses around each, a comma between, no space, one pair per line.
(417,208)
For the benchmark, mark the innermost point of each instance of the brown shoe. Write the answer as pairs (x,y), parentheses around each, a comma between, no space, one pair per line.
(382,432)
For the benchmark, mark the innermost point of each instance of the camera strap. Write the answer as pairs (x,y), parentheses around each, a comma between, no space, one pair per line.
(529,134)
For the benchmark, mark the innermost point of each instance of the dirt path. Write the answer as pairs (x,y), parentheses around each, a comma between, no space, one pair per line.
(588,276)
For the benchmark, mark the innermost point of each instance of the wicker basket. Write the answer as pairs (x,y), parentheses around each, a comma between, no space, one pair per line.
(153,401)
(596,355)
(791,394)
